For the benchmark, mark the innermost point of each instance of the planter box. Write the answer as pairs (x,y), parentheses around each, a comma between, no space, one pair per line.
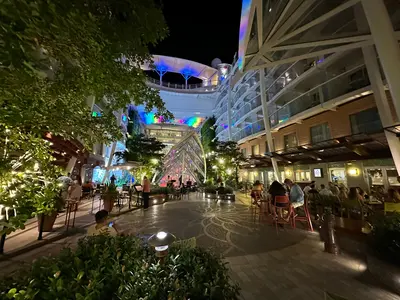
(222,197)
(384,272)
(349,224)
(226,197)
(48,221)
(157,199)
(109,200)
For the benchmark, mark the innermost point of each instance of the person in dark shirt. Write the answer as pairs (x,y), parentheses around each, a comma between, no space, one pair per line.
(276,189)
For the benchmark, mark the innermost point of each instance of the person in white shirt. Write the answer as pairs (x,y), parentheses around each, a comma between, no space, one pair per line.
(325,191)
(308,187)
(103,225)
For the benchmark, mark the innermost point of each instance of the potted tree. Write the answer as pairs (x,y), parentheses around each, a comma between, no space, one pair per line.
(110,196)
(47,202)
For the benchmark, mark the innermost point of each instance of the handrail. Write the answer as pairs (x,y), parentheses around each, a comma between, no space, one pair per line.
(211,85)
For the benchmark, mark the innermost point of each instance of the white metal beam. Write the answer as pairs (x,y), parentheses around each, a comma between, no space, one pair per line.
(303,8)
(317,21)
(268,44)
(314,54)
(324,42)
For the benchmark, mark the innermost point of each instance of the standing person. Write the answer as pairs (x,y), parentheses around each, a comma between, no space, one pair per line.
(65,182)
(325,191)
(146,192)
(334,188)
(308,187)
(296,195)
(180,181)
(75,190)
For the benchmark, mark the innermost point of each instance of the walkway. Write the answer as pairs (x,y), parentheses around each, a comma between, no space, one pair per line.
(267,265)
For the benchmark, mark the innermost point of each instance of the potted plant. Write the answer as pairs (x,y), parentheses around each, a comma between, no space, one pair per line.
(384,247)
(47,202)
(110,196)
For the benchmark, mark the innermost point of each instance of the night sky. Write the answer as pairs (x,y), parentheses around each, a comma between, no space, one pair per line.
(201,30)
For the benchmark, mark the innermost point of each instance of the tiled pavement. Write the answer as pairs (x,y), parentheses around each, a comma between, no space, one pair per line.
(288,264)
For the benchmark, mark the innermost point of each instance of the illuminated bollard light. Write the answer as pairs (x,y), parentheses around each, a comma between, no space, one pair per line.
(161,241)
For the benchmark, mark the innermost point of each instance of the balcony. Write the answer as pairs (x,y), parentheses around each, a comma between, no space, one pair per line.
(246,108)
(210,87)
(353,79)
(248,130)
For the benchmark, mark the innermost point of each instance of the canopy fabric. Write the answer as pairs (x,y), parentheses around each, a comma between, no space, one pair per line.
(182,66)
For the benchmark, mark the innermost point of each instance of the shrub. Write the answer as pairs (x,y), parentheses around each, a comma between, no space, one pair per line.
(104,267)
(161,191)
(385,237)
(212,189)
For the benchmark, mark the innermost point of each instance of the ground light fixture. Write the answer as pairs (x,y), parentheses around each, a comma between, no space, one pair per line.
(161,241)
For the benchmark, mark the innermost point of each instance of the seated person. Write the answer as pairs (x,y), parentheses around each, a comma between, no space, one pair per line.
(276,189)
(393,196)
(104,225)
(296,195)
(256,191)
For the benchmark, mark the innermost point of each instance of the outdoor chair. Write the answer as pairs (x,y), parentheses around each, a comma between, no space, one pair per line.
(277,211)
(306,218)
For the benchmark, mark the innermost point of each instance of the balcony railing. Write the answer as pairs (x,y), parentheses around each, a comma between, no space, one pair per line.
(246,108)
(211,86)
(329,90)
(250,129)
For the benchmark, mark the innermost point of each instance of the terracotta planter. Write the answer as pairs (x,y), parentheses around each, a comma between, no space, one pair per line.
(48,221)
(109,200)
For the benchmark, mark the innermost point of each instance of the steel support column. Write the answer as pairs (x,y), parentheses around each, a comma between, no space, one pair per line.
(267,124)
(386,45)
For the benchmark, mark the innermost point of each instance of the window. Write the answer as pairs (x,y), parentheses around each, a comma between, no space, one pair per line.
(244,152)
(302,176)
(366,121)
(255,150)
(290,140)
(320,133)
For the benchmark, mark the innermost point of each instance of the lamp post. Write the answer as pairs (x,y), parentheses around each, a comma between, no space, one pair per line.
(161,241)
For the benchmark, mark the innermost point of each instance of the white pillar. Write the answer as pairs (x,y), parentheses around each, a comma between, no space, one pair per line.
(112,151)
(386,44)
(229,103)
(267,124)
(71,164)
(90,101)
(382,102)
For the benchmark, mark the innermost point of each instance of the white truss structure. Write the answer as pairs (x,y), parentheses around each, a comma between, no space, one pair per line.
(285,31)
(278,32)
(186,159)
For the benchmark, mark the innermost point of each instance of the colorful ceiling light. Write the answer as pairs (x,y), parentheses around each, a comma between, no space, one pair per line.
(244,23)
(150,118)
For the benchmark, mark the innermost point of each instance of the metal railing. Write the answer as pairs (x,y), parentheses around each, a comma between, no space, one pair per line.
(329,90)
(250,129)
(211,86)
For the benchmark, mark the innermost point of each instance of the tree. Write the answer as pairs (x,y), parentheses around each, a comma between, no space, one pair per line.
(27,179)
(56,54)
(207,133)
(145,150)
(224,161)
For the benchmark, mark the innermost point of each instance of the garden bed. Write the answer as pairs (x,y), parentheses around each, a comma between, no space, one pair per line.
(104,267)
